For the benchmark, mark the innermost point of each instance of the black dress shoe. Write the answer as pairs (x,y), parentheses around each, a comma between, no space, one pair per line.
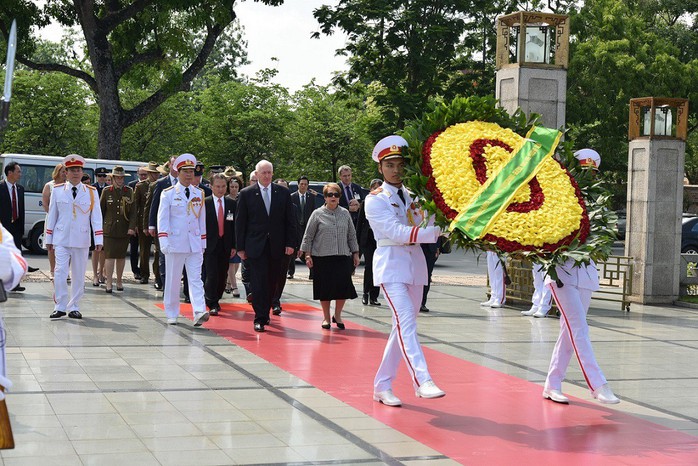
(158,286)
(18,288)
(276,310)
(325,326)
(32,269)
(56,315)
(290,277)
(214,311)
(423,309)
(374,302)
(119,288)
(136,276)
(187,300)
(75,315)
(249,298)
(258,327)
(340,325)
(364,299)
(144,281)
(108,290)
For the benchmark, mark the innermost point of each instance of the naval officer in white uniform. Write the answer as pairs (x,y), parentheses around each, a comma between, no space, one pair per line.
(74,208)
(181,224)
(400,269)
(572,297)
(496,275)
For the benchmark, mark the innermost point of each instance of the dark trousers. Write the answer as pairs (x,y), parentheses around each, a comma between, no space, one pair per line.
(369,289)
(431,260)
(216,265)
(134,256)
(292,266)
(144,245)
(264,272)
(281,282)
(16,229)
(245,276)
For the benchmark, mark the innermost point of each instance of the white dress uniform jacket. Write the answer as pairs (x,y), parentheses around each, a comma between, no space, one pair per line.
(396,227)
(12,264)
(179,229)
(584,277)
(69,219)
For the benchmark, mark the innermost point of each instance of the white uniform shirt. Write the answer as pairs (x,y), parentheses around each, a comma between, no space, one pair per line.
(585,277)
(398,223)
(12,264)
(69,219)
(182,221)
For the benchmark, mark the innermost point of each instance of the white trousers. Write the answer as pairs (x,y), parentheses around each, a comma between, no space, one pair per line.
(542,298)
(75,260)
(573,304)
(495,272)
(174,264)
(404,301)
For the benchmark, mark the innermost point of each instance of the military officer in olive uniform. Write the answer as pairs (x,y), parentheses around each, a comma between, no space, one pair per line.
(119,225)
(141,206)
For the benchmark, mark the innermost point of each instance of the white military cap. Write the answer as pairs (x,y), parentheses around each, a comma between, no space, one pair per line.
(588,158)
(185,161)
(389,147)
(73,160)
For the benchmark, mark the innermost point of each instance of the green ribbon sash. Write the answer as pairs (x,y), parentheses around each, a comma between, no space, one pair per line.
(496,194)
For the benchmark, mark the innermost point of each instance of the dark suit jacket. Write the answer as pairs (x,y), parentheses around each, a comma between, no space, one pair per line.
(206,189)
(132,184)
(17,227)
(212,238)
(160,186)
(357,192)
(254,227)
(364,234)
(309,207)
(99,189)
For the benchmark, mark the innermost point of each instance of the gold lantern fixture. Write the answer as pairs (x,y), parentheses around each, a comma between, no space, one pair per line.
(658,118)
(533,39)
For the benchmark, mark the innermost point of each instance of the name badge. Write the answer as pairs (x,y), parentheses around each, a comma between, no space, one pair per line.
(230,217)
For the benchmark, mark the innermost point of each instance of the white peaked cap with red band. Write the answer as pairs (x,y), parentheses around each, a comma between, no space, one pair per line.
(389,147)
(185,161)
(73,160)
(588,158)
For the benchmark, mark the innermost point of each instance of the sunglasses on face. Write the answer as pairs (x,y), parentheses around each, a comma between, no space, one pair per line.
(101,176)
(333,194)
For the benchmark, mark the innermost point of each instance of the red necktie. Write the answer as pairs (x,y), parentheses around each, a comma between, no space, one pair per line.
(220,218)
(15,211)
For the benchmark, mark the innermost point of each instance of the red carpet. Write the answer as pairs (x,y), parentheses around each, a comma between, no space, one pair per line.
(487,417)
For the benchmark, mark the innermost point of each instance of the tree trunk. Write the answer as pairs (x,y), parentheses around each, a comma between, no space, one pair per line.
(110,131)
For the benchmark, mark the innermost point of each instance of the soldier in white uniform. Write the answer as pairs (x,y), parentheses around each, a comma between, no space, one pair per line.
(498,289)
(541,301)
(74,208)
(182,234)
(573,295)
(12,269)
(400,269)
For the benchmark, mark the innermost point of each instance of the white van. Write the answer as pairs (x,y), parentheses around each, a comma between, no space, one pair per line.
(36,172)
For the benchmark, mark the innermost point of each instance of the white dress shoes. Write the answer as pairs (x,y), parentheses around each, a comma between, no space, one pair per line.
(496,304)
(540,313)
(530,312)
(172,321)
(555,395)
(387,397)
(605,395)
(487,303)
(429,390)
(201,319)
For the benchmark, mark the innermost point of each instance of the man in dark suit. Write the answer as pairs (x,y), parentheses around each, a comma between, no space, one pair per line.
(160,185)
(352,193)
(305,203)
(220,241)
(12,206)
(265,232)
(134,240)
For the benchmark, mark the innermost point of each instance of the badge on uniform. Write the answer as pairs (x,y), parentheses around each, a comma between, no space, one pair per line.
(230,217)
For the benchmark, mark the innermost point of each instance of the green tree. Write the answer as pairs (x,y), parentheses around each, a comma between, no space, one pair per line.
(328,132)
(241,123)
(50,115)
(137,40)
(409,47)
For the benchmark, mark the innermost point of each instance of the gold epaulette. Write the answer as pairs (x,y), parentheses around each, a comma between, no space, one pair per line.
(378,190)
(58,185)
(167,189)
(91,187)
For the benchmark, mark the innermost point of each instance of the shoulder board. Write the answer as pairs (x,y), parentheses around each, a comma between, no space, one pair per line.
(89,186)
(167,189)
(378,190)
(58,185)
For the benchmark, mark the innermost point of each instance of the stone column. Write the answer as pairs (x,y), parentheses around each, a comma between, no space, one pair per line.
(655,198)
(534,90)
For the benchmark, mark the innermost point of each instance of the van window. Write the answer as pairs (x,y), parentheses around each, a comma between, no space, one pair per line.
(34,177)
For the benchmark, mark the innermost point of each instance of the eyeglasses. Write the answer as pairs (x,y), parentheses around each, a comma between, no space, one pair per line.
(333,194)
(101,176)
